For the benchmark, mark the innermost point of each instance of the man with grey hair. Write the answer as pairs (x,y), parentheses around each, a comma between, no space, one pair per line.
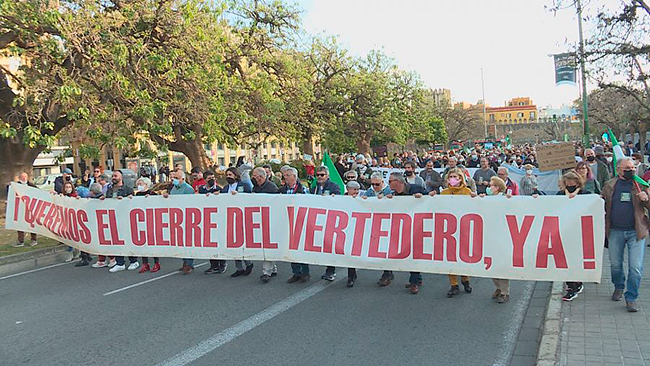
(104,180)
(352,189)
(377,186)
(325,187)
(261,184)
(293,186)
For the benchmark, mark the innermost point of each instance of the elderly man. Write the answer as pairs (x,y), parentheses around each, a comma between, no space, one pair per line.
(626,224)
(269,174)
(293,186)
(400,187)
(353,176)
(363,170)
(262,184)
(482,176)
(377,186)
(598,168)
(179,186)
(511,186)
(234,186)
(432,179)
(23,178)
(452,162)
(324,186)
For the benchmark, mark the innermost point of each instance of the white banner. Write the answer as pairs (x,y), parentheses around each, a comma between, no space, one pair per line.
(547,238)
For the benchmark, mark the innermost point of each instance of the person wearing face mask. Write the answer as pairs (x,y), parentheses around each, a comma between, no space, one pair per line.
(179,186)
(528,184)
(598,168)
(119,190)
(66,176)
(23,179)
(626,225)
(411,177)
(502,293)
(262,185)
(591,185)
(572,185)
(473,161)
(235,186)
(143,189)
(217,266)
(456,186)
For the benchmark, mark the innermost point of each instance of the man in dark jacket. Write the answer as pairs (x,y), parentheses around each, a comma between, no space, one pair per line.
(293,186)
(234,186)
(626,225)
(325,187)
(432,178)
(120,190)
(400,187)
(262,184)
(598,168)
(66,176)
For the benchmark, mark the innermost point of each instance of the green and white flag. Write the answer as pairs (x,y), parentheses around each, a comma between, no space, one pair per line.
(618,154)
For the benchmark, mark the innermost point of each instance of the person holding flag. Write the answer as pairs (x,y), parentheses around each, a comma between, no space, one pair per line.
(626,224)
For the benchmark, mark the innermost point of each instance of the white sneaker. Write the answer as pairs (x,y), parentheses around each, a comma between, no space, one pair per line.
(99,264)
(117,268)
(133,266)
(112,263)
(17,245)
(33,243)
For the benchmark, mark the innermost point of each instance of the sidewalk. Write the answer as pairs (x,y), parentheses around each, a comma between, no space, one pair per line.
(599,331)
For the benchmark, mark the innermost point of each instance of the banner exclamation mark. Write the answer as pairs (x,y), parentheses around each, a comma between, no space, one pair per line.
(588,252)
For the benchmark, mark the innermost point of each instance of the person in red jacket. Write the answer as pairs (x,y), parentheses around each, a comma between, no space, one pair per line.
(511,186)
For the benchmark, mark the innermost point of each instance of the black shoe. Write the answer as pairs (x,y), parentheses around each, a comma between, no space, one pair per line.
(294,278)
(211,270)
(82,263)
(570,295)
(328,276)
(350,282)
(238,273)
(305,278)
(274,274)
(222,269)
(249,269)
(265,278)
(467,287)
(453,291)
(579,289)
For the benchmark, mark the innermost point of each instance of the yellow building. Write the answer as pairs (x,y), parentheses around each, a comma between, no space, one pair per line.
(517,110)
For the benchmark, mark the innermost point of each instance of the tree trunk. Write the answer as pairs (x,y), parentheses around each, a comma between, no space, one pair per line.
(195,152)
(363,144)
(642,136)
(16,158)
(307,147)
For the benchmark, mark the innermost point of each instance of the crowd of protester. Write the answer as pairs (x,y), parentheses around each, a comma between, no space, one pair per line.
(440,172)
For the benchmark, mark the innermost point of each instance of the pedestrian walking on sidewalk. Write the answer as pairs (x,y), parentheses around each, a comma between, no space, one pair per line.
(626,224)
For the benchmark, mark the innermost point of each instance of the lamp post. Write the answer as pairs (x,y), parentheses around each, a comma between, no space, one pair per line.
(585,120)
(484,114)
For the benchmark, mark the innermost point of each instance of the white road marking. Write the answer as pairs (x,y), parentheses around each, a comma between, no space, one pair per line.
(193,353)
(510,335)
(149,280)
(34,270)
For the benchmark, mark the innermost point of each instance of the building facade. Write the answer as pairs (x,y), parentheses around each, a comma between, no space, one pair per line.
(517,110)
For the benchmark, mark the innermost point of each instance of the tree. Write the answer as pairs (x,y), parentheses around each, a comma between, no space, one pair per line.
(461,123)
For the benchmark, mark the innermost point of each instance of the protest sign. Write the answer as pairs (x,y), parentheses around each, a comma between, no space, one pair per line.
(547,238)
(556,156)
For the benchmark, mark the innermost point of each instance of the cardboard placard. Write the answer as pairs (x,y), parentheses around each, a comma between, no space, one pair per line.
(556,156)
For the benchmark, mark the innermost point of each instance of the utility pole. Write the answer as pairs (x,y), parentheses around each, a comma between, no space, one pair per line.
(585,113)
(484,115)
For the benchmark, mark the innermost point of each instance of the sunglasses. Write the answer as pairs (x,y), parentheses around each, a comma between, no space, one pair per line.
(349,178)
(376,184)
(320,175)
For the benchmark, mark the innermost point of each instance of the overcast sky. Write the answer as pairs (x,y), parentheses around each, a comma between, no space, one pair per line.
(448,42)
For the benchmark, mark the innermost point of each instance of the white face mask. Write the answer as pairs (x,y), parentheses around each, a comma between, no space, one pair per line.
(609,159)
(141,188)
(529,172)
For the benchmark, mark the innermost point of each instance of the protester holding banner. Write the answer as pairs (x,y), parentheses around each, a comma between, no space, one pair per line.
(456,186)
(235,186)
(626,224)
(590,183)
(324,186)
(432,179)
(293,186)
(482,176)
(262,184)
(143,185)
(23,179)
(377,186)
(512,187)
(572,185)
(179,186)
(352,190)
(528,183)
(400,187)
(119,190)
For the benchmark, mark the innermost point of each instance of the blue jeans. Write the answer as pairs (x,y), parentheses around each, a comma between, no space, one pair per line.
(618,239)
(415,278)
(299,269)
(119,260)
(188,261)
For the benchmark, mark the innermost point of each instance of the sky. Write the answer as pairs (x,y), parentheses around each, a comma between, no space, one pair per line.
(447,42)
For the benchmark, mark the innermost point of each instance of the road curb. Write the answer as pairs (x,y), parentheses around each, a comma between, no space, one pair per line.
(33,259)
(548,346)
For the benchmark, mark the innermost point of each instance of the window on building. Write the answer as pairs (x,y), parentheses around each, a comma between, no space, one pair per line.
(532,115)
(208,146)
(492,118)
(520,115)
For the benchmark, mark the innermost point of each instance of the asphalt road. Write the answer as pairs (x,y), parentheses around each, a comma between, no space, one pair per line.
(83,316)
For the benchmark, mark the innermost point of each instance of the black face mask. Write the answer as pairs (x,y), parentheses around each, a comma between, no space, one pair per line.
(628,174)
(408,173)
(211,183)
(571,189)
(230,180)
(67,178)
(590,158)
